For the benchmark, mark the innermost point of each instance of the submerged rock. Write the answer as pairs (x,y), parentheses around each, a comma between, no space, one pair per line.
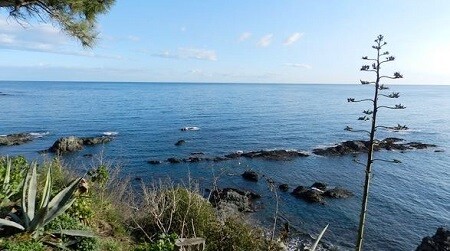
(73,144)
(440,241)
(180,142)
(174,160)
(250,175)
(154,162)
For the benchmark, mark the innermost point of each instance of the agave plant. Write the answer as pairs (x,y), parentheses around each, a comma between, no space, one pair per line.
(9,187)
(32,220)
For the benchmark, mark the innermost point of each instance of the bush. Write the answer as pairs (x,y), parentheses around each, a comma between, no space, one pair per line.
(16,245)
(9,191)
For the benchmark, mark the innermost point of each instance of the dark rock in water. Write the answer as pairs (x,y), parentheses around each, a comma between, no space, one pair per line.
(419,145)
(360,146)
(319,185)
(174,160)
(138,179)
(193,159)
(96,140)
(218,159)
(275,154)
(180,142)
(337,193)
(250,175)
(197,153)
(72,143)
(67,144)
(283,187)
(154,162)
(88,155)
(308,195)
(15,139)
(234,199)
(440,241)
(439,151)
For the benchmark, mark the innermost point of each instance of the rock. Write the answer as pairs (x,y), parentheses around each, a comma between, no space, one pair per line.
(197,153)
(96,140)
(440,241)
(337,193)
(360,146)
(275,154)
(439,151)
(88,155)
(173,160)
(283,187)
(67,144)
(319,185)
(180,142)
(308,195)
(154,162)
(72,143)
(193,159)
(250,175)
(218,159)
(190,128)
(234,199)
(15,139)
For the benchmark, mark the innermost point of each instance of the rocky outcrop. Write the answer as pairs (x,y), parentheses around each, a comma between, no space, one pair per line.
(268,154)
(173,160)
(234,199)
(283,187)
(73,144)
(308,194)
(440,241)
(154,162)
(250,176)
(15,139)
(318,191)
(361,146)
(337,193)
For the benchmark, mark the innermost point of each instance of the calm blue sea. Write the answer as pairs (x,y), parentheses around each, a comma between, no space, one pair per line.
(407,202)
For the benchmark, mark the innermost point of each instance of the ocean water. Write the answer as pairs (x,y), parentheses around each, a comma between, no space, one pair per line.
(407,201)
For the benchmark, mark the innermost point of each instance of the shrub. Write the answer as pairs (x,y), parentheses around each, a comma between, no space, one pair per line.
(12,173)
(28,245)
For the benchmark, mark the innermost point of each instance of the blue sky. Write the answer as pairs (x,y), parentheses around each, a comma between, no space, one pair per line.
(256,41)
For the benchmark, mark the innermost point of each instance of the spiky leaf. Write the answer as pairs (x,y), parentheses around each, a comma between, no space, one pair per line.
(9,223)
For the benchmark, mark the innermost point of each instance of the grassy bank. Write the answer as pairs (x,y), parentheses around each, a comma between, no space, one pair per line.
(48,207)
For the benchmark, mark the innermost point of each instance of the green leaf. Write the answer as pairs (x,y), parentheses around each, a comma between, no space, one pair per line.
(9,223)
(32,190)
(26,219)
(81,233)
(318,238)
(47,190)
(7,174)
(38,220)
(57,212)
(62,201)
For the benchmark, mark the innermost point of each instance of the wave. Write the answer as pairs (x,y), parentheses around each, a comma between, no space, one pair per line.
(190,128)
(110,133)
(39,134)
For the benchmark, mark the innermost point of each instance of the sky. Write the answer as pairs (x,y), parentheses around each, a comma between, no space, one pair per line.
(235,41)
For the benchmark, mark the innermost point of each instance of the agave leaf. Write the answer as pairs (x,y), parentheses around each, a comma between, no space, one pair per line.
(57,211)
(81,233)
(7,174)
(183,242)
(38,220)
(47,190)
(4,222)
(26,181)
(318,238)
(32,190)
(16,218)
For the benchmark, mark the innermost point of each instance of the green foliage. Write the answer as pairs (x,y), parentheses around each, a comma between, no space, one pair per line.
(76,17)
(82,208)
(28,245)
(66,221)
(12,173)
(100,175)
(32,219)
(165,242)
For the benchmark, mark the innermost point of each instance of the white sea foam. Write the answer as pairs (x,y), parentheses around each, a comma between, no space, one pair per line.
(190,128)
(110,133)
(39,134)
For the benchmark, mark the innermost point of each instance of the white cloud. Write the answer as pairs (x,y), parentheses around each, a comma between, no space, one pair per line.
(297,65)
(244,36)
(293,38)
(265,41)
(189,53)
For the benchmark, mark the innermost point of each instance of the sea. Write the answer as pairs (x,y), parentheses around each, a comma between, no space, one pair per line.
(407,201)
